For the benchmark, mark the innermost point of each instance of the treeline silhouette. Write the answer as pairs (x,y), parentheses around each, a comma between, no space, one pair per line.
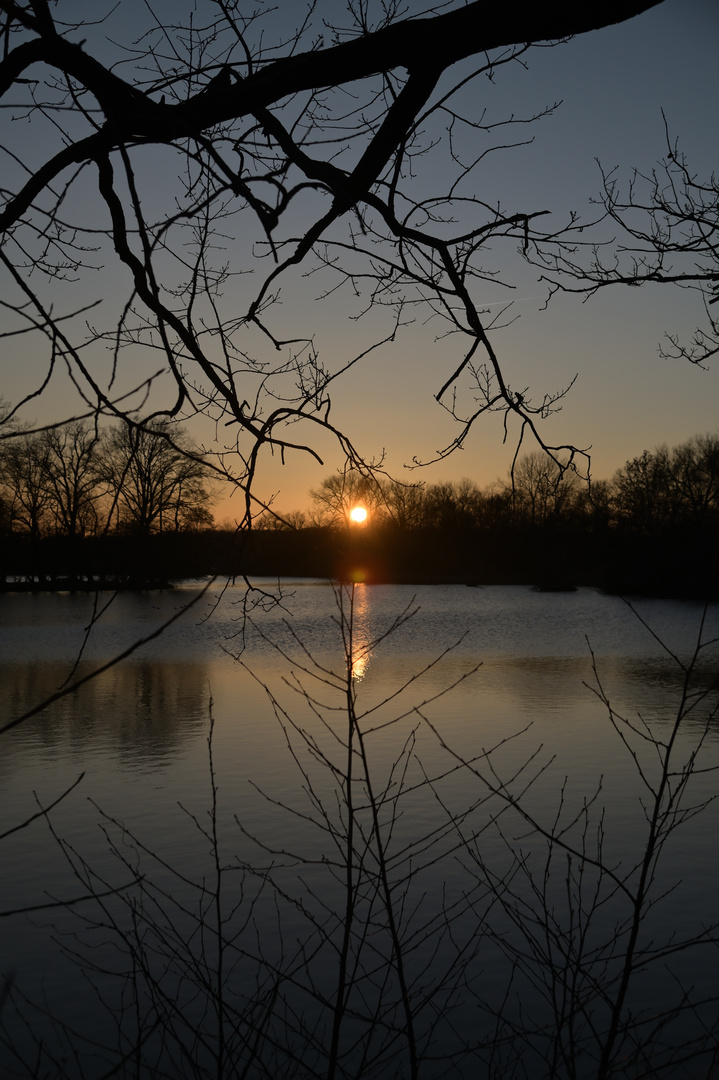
(131,508)
(80,505)
(653,528)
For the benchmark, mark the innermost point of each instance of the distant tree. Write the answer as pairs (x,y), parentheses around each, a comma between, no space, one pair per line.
(695,475)
(24,464)
(643,487)
(497,505)
(74,483)
(405,504)
(594,504)
(157,478)
(542,488)
(5,506)
(295,519)
(338,494)
(663,488)
(6,498)
(453,505)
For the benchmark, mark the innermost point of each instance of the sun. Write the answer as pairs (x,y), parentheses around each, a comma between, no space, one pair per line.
(358,514)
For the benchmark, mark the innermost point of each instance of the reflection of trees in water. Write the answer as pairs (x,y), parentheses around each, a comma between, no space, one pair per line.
(144,710)
(557,684)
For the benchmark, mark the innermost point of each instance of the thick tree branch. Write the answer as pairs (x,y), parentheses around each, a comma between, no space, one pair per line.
(418,45)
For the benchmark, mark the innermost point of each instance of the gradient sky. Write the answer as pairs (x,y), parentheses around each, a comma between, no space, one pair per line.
(613,85)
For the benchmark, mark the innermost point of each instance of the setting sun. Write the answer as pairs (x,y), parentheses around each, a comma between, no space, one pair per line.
(358,514)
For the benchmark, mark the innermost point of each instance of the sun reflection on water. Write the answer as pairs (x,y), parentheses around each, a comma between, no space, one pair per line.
(361,638)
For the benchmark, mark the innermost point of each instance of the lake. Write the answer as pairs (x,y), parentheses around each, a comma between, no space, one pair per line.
(429,866)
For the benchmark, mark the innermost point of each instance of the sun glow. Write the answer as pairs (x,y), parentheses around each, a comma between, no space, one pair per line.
(358,514)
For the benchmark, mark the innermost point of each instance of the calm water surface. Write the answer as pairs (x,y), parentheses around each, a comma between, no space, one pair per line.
(502,669)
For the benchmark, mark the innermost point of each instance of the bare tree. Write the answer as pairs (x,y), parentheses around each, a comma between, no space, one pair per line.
(542,489)
(295,140)
(293,519)
(338,494)
(664,487)
(159,482)
(668,219)
(453,505)
(25,476)
(695,467)
(405,504)
(73,482)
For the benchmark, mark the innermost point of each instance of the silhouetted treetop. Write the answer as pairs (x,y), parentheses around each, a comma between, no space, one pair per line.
(78,480)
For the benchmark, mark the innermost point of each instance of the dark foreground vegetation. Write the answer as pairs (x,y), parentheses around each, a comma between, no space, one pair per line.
(128,510)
